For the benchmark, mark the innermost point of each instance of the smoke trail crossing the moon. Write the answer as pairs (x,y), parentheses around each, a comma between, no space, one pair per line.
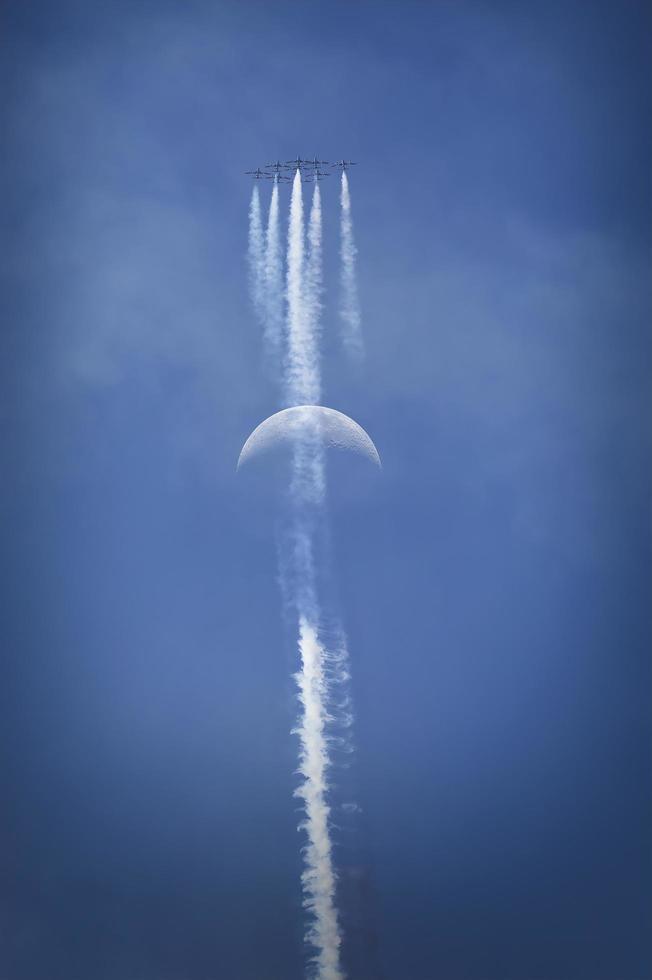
(307,492)
(350,306)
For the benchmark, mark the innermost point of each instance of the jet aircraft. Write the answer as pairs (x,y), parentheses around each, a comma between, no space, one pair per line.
(257,174)
(317,163)
(297,164)
(343,164)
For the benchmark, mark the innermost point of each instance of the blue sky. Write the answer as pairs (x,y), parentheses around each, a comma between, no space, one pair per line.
(494,582)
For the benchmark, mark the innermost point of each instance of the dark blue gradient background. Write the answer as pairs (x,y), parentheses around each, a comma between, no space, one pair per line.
(495,581)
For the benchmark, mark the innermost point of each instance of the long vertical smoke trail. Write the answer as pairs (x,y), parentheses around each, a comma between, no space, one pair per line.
(273,283)
(256,257)
(350,306)
(307,489)
(313,682)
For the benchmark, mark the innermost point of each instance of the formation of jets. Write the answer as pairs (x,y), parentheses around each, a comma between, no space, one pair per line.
(310,169)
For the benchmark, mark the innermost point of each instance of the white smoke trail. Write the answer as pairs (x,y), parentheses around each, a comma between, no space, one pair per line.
(313,681)
(273,283)
(318,877)
(302,374)
(313,291)
(256,257)
(307,492)
(319,671)
(350,306)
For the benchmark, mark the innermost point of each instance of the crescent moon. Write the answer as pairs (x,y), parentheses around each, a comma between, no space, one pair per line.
(336,430)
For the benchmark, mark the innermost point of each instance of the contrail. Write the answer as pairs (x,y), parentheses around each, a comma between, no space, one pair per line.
(307,496)
(273,283)
(302,374)
(313,292)
(350,306)
(313,681)
(318,877)
(256,257)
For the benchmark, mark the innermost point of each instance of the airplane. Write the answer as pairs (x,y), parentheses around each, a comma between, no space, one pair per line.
(257,174)
(297,164)
(316,163)
(276,177)
(318,175)
(277,166)
(343,164)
